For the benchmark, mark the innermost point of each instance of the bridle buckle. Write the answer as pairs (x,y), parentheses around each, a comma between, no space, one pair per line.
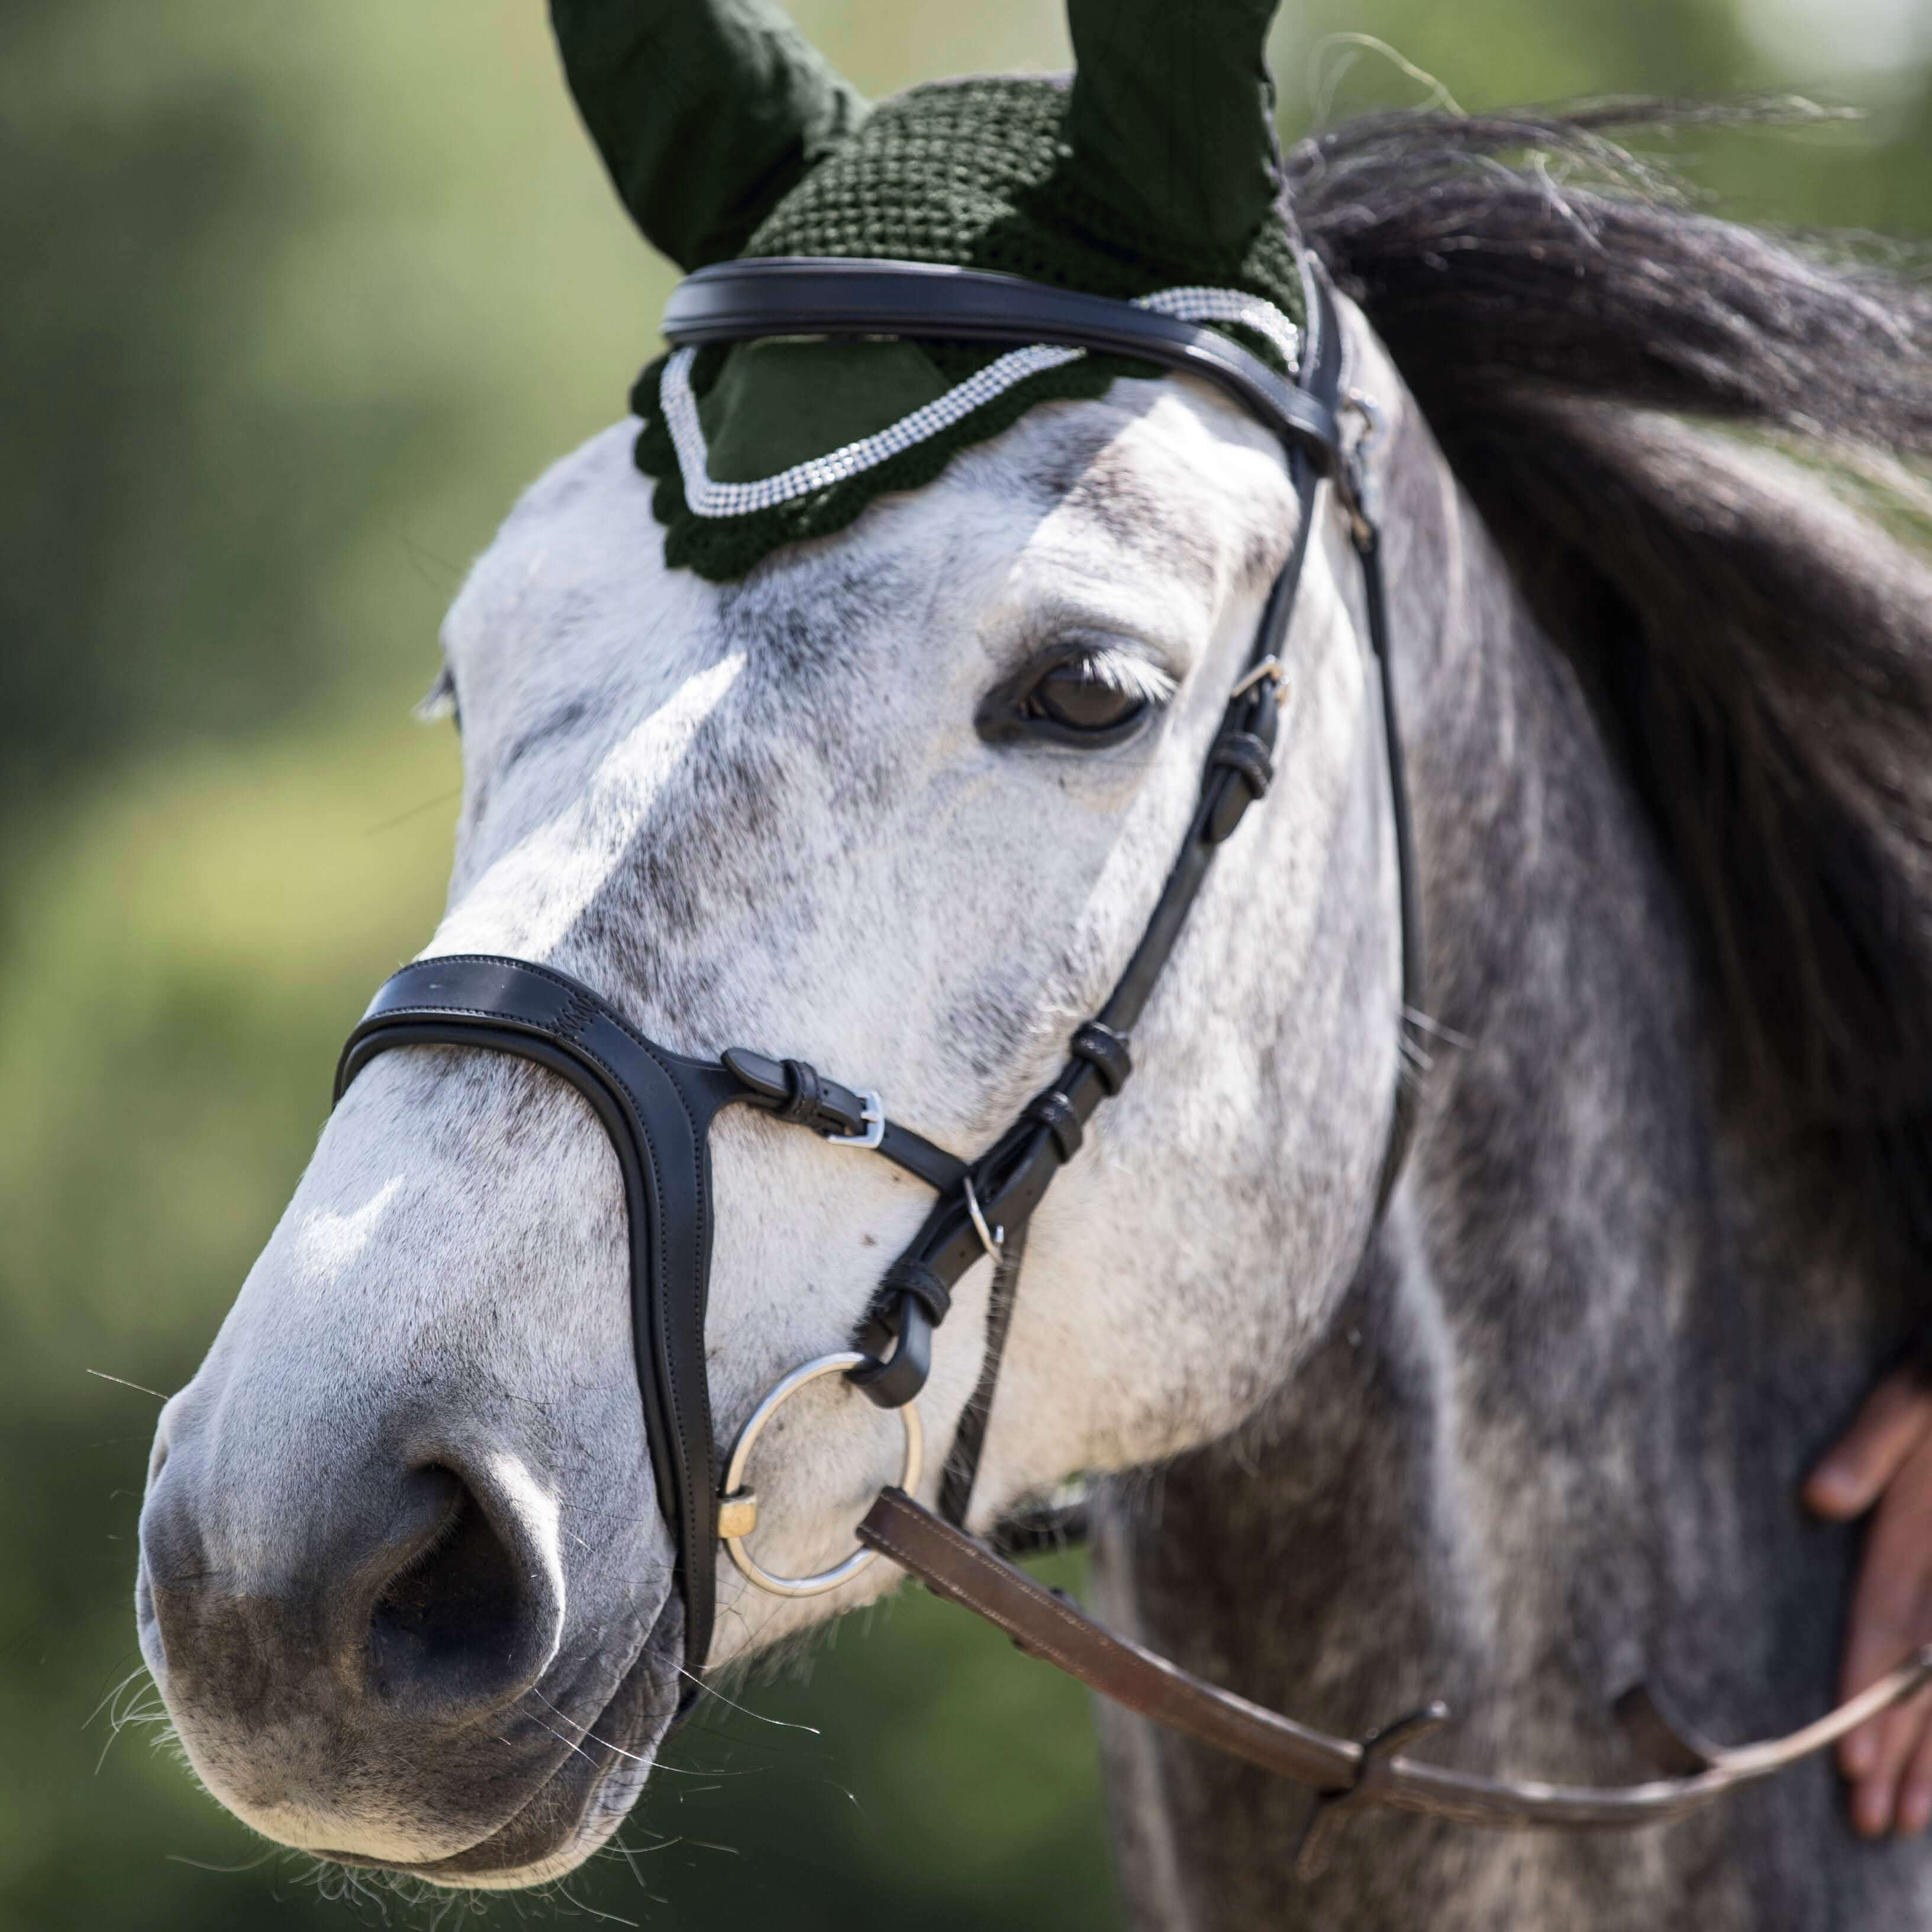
(873,1113)
(993,1240)
(1359,491)
(1270,668)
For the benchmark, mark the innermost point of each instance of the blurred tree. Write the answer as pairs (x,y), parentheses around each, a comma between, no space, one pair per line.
(164,517)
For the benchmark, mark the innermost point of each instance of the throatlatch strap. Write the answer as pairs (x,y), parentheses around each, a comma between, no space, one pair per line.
(969,1439)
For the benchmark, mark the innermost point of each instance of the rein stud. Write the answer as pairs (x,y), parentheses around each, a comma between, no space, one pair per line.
(1331,1807)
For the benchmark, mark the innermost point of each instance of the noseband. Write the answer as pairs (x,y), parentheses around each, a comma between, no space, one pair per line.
(657,1106)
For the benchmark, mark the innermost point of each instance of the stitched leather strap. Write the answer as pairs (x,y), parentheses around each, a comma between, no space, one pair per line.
(969,1438)
(1349,1775)
(1414,992)
(781,294)
(796,1091)
(657,1108)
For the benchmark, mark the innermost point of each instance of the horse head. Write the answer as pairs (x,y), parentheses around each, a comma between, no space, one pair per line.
(896,801)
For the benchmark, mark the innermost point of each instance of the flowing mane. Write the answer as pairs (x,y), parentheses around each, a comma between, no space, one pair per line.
(1761,653)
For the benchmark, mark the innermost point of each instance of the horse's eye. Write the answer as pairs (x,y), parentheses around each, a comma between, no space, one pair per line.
(1071,696)
(1089,700)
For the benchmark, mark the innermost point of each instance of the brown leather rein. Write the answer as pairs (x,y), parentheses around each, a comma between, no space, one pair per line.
(1346,1775)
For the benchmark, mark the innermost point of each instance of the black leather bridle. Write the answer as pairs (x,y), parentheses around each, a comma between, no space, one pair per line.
(657,1106)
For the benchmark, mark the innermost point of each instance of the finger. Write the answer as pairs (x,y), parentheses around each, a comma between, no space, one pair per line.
(1877,1751)
(1859,1750)
(1896,1418)
(1901,1739)
(1874,1794)
(1892,1616)
(1913,1810)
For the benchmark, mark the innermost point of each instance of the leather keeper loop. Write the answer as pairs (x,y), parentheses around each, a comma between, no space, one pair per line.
(1242,752)
(1054,1111)
(802,1102)
(914,1278)
(1105,1051)
(904,1328)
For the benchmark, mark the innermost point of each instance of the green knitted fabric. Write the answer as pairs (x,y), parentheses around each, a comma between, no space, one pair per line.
(704,113)
(974,173)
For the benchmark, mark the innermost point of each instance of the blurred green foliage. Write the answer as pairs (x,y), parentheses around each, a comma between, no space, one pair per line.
(297,300)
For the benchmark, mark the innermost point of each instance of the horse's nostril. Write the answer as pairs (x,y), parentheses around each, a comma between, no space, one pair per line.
(455,1623)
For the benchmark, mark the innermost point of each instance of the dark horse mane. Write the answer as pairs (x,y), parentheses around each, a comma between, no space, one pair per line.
(1581,339)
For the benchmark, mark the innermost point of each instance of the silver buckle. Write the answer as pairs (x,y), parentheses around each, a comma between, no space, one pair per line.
(1270,666)
(1359,491)
(872,1111)
(993,1240)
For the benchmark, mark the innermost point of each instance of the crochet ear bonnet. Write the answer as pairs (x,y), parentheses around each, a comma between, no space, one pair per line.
(1152,174)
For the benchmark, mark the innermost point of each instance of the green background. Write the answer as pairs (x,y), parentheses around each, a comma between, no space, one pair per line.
(296,299)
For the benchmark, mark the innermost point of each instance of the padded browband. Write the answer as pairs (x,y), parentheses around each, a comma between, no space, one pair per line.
(780,295)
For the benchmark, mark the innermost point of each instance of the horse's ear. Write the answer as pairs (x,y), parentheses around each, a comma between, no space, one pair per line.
(1171,123)
(706,111)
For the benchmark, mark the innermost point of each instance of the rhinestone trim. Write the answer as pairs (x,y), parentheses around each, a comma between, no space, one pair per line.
(705,498)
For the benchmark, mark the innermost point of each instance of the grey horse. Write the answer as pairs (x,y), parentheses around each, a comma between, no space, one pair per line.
(1533,1435)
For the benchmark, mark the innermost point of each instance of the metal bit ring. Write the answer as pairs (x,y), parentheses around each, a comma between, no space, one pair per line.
(738,1507)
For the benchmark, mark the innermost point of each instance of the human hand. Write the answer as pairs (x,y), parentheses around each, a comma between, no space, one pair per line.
(1886,1458)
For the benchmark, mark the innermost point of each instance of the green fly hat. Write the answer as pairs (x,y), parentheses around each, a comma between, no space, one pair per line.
(1152,175)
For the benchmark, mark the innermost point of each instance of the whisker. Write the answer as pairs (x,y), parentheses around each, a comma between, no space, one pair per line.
(139,1670)
(140,1388)
(780,1723)
(1447,1035)
(608,1918)
(604,1743)
(414,812)
(201,1864)
(576,1747)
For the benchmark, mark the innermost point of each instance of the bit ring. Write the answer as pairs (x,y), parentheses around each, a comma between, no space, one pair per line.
(738,1507)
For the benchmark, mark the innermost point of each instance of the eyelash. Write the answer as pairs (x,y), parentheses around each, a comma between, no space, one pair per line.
(440,701)
(1126,672)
